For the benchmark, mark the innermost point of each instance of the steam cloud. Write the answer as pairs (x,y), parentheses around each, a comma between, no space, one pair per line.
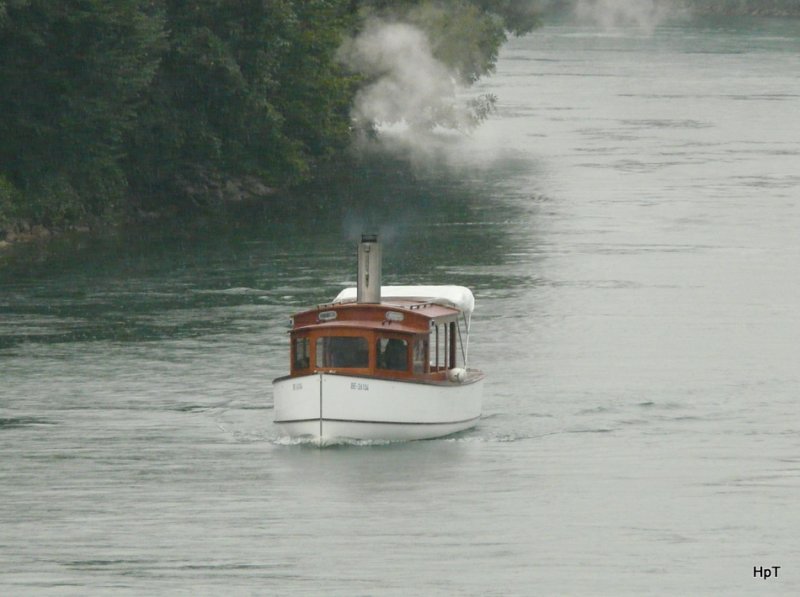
(407,83)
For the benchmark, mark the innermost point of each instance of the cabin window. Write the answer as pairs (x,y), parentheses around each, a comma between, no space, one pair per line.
(440,341)
(443,345)
(302,356)
(392,354)
(343,351)
(420,349)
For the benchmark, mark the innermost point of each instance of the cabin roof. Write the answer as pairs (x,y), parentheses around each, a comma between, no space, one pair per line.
(363,324)
(458,297)
(409,316)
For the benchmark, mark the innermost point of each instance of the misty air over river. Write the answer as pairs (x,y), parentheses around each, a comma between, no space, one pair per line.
(628,222)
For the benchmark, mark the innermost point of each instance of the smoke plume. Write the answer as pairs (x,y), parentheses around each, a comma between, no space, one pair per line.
(405,82)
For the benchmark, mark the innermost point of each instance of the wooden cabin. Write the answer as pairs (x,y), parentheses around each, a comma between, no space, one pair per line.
(410,340)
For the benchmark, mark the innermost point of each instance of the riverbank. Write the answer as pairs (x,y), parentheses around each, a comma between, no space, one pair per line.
(204,197)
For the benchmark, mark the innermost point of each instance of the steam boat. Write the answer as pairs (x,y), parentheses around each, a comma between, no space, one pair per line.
(380,363)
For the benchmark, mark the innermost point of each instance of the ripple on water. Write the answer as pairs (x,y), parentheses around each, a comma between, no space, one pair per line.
(22,422)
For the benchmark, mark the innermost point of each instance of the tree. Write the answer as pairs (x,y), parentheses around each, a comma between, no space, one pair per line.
(71,75)
(246,89)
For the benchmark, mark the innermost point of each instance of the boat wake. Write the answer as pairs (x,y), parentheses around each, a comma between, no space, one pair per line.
(471,436)
(330,442)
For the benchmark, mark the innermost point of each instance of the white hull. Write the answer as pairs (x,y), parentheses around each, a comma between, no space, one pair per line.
(327,408)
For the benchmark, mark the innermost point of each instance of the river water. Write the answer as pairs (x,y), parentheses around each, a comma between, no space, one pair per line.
(628,221)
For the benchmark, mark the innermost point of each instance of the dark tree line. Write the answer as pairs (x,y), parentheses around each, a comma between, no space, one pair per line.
(108,108)
(73,77)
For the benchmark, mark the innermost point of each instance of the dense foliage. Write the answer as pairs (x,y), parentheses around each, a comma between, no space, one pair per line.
(244,89)
(139,105)
(72,75)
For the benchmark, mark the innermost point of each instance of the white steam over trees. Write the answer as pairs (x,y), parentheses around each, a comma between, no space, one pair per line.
(417,59)
(404,82)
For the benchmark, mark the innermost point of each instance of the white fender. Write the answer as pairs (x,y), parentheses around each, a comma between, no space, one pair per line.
(457,375)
